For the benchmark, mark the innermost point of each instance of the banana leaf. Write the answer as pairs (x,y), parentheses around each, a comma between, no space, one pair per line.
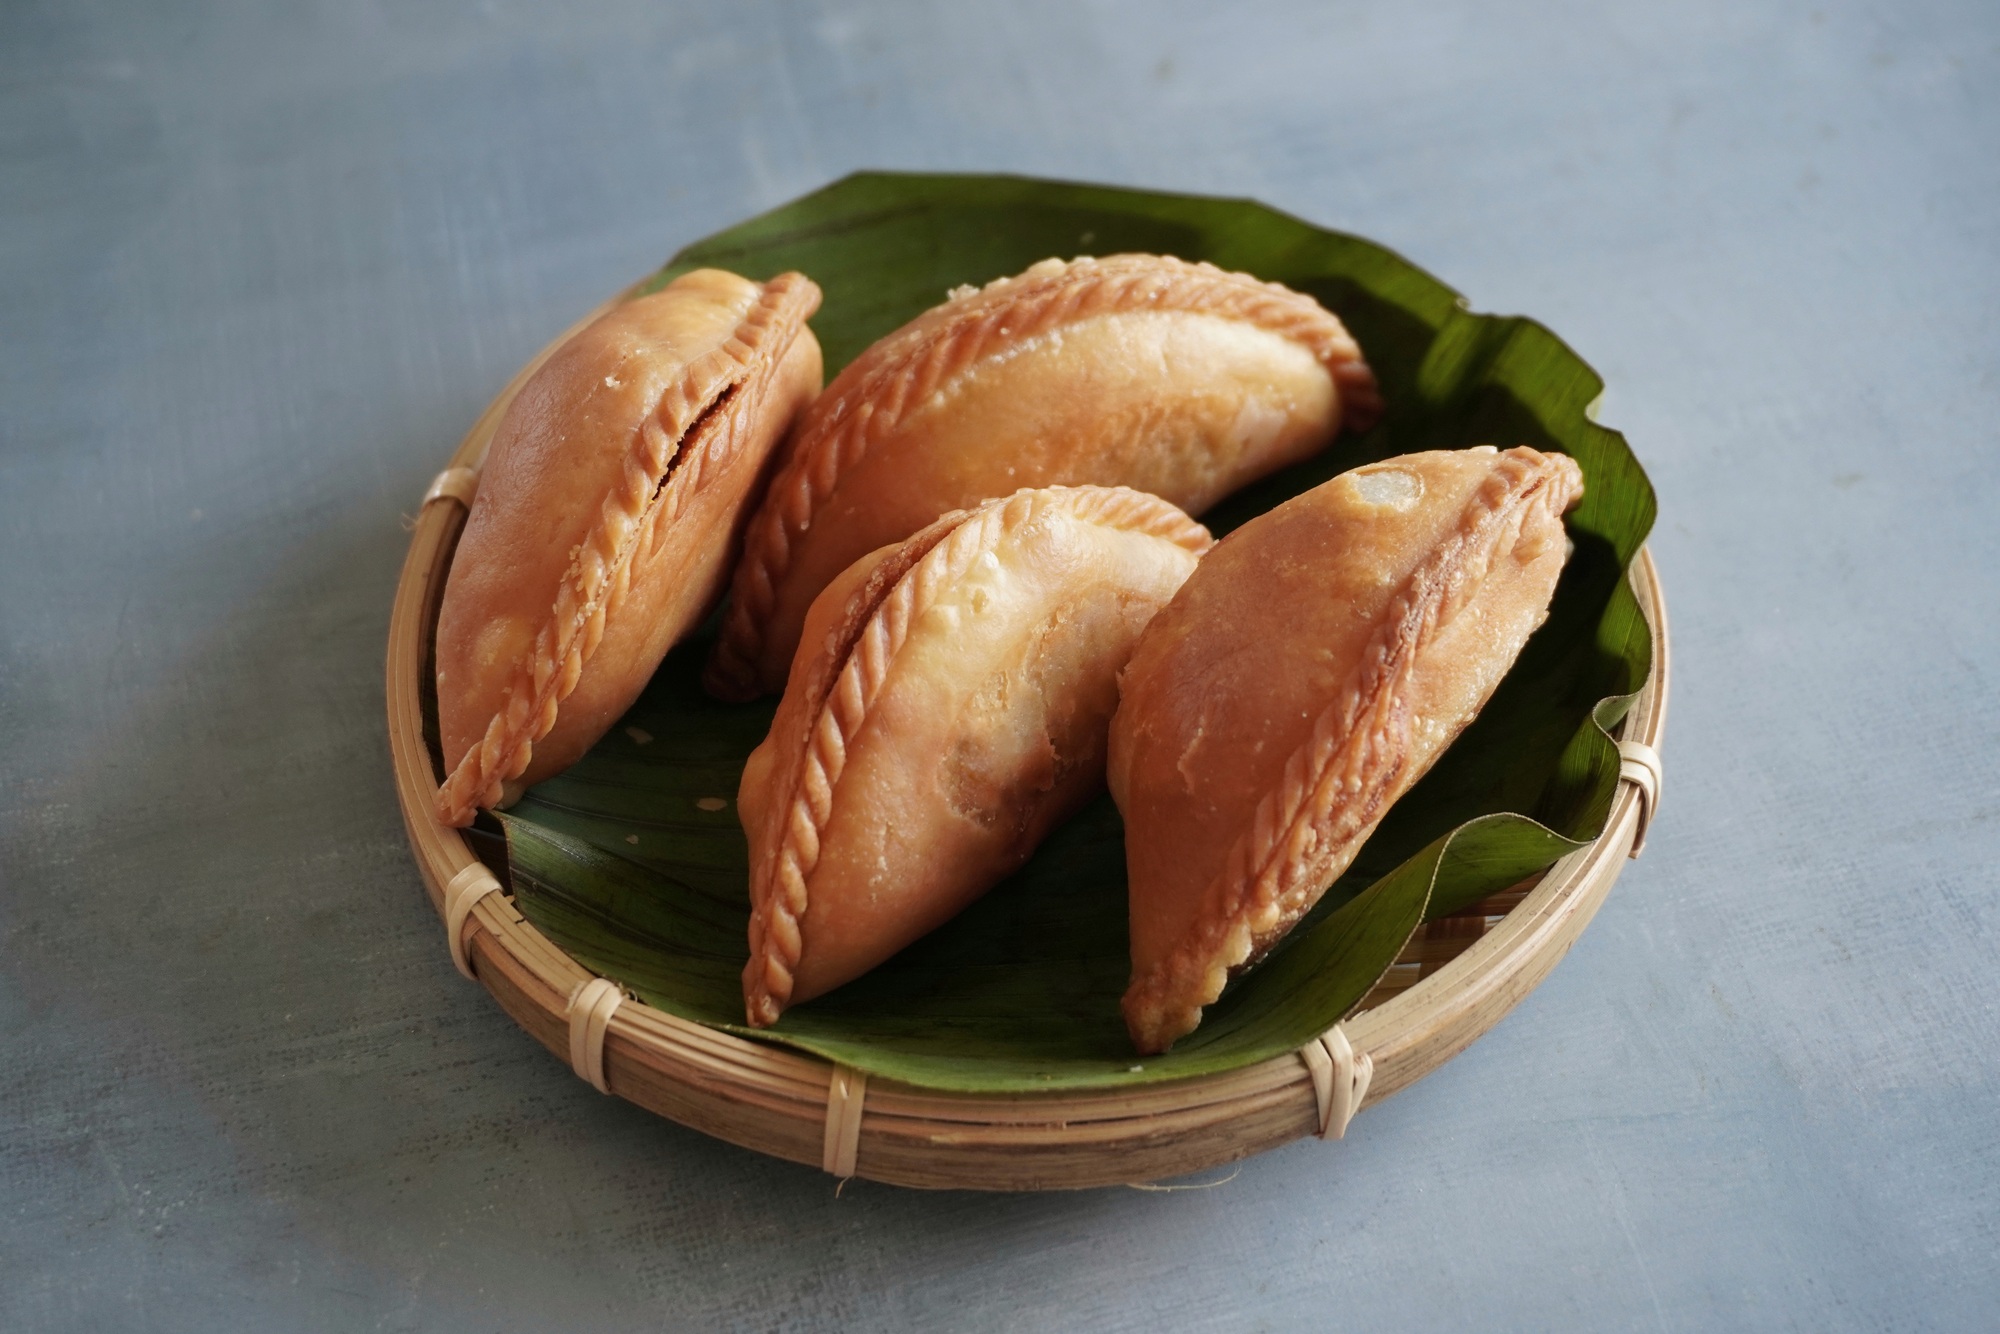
(633,860)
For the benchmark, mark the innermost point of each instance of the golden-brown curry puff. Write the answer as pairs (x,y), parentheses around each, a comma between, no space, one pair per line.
(1310,671)
(607,518)
(1173,378)
(947,709)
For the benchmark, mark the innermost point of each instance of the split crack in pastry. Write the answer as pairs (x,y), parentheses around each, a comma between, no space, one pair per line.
(608,512)
(948,708)
(1309,672)
(1173,378)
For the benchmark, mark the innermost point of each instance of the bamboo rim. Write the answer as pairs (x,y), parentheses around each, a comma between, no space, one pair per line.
(1441,997)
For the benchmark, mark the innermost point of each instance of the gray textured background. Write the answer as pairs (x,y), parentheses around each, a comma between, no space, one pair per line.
(259,267)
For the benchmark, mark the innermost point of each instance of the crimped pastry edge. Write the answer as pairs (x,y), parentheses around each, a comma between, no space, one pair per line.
(869,399)
(629,518)
(855,664)
(1259,896)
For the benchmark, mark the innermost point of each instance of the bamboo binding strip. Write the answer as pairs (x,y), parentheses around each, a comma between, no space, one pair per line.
(845,1094)
(461,894)
(796,1106)
(1639,765)
(459,484)
(1339,1077)
(590,1011)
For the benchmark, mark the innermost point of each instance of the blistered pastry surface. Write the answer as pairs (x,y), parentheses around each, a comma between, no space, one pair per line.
(1175,378)
(920,749)
(588,474)
(1318,661)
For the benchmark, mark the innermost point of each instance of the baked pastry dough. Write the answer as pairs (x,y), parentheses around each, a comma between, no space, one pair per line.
(948,709)
(1310,671)
(1138,370)
(606,520)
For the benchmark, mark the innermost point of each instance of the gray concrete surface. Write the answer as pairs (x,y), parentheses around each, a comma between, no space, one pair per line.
(260,264)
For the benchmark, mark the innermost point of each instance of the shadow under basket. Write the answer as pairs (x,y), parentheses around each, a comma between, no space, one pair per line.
(1455,979)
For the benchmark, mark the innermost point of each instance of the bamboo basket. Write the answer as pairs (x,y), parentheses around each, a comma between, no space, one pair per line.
(1456,979)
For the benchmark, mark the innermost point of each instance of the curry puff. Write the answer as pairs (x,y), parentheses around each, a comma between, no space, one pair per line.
(1138,370)
(1311,670)
(948,708)
(606,520)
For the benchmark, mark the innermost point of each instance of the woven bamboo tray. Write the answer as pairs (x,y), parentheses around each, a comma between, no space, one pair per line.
(1458,976)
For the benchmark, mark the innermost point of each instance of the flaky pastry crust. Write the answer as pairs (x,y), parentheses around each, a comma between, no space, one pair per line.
(1139,370)
(949,709)
(607,515)
(1303,679)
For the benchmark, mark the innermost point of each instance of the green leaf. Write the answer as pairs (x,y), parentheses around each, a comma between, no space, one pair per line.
(634,861)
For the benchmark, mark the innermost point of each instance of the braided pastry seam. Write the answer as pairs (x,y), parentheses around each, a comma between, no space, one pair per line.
(630,517)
